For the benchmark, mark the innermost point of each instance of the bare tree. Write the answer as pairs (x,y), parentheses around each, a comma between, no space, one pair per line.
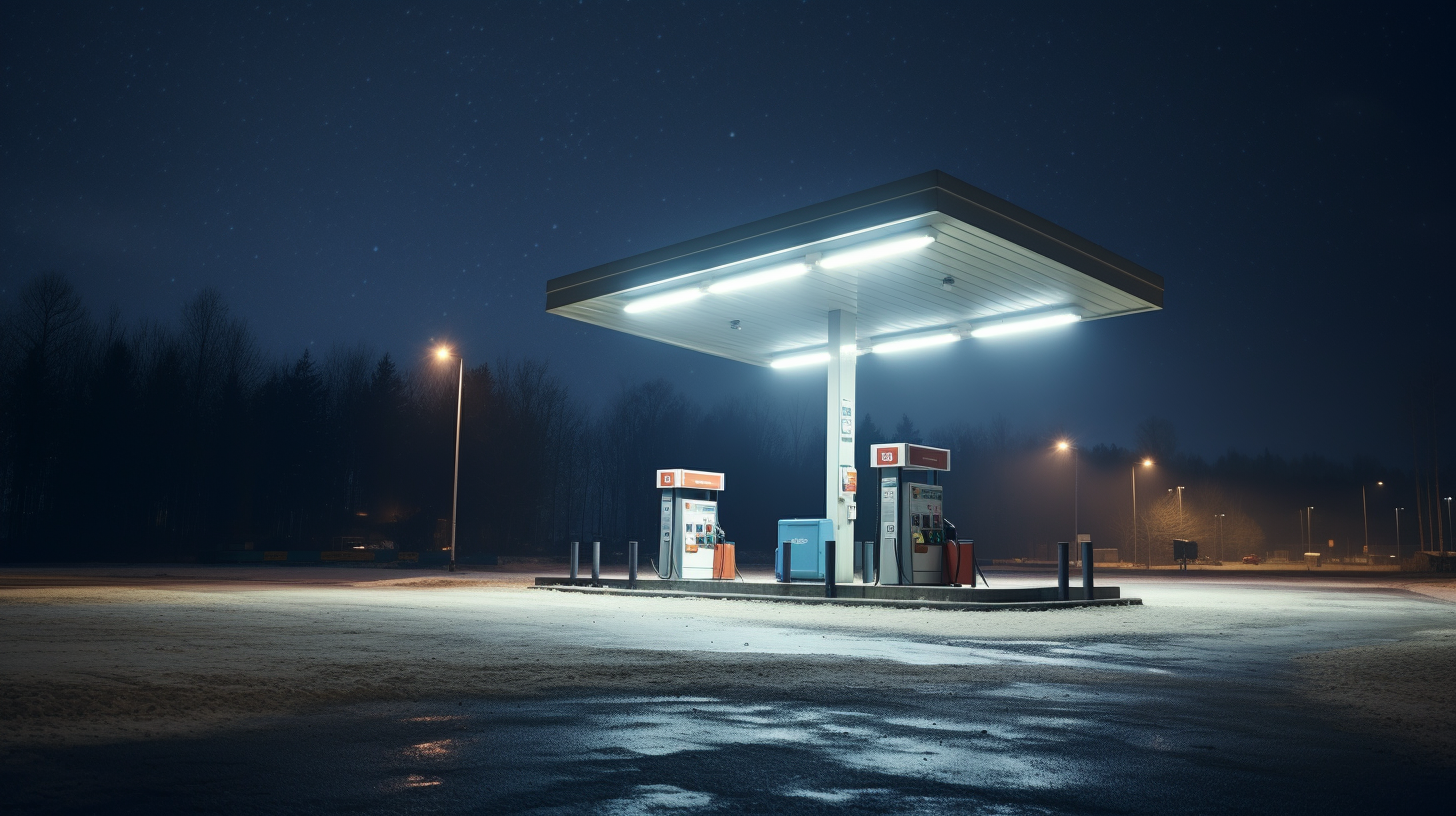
(1156,438)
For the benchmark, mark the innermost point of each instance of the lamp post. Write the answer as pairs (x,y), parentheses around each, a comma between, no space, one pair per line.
(1448,525)
(1222,556)
(445,353)
(1146,463)
(1309,529)
(1365,511)
(1397,533)
(1064,445)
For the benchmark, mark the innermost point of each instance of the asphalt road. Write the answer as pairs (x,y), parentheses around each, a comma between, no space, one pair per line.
(1205,722)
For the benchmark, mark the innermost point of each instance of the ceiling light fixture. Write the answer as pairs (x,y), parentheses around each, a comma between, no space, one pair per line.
(776,273)
(1025,325)
(797,360)
(878,249)
(659,301)
(915,342)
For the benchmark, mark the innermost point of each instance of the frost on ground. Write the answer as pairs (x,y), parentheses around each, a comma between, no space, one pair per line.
(1405,689)
(95,658)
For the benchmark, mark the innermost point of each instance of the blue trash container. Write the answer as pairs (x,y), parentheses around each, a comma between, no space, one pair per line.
(807,537)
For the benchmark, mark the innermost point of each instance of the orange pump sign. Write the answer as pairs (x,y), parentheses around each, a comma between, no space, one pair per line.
(699,479)
(907,455)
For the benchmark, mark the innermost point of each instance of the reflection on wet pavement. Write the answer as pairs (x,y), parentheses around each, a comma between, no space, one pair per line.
(1014,747)
(956,652)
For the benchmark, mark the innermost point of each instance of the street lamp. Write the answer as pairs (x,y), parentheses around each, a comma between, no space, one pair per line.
(1146,463)
(1448,525)
(1309,529)
(1064,445)
(1366,513)
(444,353)
(1222,556)
(1397,534)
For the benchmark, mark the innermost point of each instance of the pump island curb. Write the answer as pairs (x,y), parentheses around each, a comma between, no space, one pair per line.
(896,597)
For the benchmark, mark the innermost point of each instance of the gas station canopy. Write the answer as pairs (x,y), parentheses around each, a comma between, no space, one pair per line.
(920,261)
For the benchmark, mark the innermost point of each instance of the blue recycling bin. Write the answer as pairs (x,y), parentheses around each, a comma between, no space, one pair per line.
(807,537)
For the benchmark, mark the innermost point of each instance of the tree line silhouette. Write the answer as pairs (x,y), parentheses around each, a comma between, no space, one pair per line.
(152,441)
(156,441)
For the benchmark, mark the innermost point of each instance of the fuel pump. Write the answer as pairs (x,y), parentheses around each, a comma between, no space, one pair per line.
(689,532)
(912,530)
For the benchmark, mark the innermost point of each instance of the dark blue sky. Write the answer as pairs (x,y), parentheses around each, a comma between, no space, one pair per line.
(392,173)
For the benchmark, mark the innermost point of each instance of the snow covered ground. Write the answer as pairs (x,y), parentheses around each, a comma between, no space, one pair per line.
(121,657)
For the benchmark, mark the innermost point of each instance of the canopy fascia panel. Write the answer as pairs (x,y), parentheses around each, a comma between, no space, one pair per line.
(1002,260)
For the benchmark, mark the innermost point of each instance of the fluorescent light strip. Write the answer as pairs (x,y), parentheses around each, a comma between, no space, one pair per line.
(880,249)
(797,360)
(859,254)
(659,301)
(777,273)
(890,346)
(1029,324)
(811,358)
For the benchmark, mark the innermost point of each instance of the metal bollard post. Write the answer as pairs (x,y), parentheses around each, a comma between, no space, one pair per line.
(575,546)
(829,569)
(596,562)
(632,563)
(788,550)
(1087,570)
(1062,556)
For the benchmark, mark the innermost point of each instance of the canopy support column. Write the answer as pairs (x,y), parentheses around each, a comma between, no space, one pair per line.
(839,435)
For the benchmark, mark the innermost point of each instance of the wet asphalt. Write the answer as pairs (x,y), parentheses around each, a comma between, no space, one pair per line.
(1021,748)
(1212,725)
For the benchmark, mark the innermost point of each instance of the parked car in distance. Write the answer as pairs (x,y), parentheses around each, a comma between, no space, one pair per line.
(1253,559)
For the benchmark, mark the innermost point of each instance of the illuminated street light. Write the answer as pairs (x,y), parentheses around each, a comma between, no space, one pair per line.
(1146,463)
(1064,446)
(445,353)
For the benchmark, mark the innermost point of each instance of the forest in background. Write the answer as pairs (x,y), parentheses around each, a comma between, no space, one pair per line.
(162,441)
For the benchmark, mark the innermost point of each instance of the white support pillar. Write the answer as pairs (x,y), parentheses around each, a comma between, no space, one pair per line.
(839,452)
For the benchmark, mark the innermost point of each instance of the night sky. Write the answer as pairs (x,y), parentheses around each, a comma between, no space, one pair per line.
(389,174)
